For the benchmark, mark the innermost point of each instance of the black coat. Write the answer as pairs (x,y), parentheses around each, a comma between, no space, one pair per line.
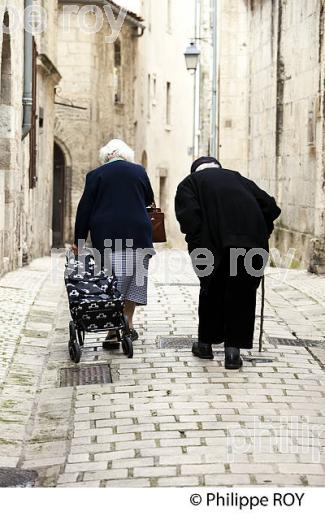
(113,206)
(218,208)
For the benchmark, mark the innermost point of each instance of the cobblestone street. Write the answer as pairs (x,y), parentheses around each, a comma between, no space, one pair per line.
(167,419)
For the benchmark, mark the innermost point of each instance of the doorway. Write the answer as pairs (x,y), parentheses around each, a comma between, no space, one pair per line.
(59,171)
(163,189)
(163,194)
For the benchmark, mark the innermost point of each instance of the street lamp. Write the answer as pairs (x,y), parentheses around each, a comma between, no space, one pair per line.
(192,55)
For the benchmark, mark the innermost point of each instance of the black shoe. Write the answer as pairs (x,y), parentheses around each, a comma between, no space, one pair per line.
(202,350)
(134,336)
(233,360)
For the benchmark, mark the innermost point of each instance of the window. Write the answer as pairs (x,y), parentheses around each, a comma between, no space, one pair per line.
(144,159)
(149,97)
(154,91)
(149,14)
(118,82)
(168,103)
(117,54)
(312,123)
(169,15)
(5,93)
(163,192)
(41,118)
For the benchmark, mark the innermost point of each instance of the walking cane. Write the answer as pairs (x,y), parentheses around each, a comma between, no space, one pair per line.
(262,315)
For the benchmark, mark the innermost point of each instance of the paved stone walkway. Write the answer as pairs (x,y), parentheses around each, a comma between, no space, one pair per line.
(167,419)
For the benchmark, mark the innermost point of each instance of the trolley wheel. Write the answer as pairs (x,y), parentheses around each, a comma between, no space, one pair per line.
(72,331)
(74,348)
(126,325)
(74,351)
(81,336)
(127,347)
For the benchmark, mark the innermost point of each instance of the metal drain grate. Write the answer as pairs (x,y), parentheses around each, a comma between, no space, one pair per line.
(176,342)
(85,375)
(12,477)
(296,342)
(259,361)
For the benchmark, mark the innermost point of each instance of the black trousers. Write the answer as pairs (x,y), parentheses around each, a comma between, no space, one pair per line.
(227,304)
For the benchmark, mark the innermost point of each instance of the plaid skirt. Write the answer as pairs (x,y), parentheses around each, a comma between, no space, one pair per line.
(131,271)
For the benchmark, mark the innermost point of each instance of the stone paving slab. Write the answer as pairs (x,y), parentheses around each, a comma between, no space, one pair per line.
(23,351)
(167,419)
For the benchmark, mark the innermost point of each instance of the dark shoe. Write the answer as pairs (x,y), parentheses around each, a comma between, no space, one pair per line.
(134,336)
(233,360)
(202,350)
(111,342)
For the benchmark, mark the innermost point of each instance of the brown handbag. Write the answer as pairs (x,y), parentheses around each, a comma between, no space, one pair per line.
(157,218)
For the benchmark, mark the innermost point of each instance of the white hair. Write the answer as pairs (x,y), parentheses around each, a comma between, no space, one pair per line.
(116,149)
(205,166)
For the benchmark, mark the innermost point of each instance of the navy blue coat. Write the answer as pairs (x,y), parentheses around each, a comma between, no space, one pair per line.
(113,206)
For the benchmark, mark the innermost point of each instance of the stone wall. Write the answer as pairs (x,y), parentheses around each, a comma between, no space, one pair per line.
(25,226)
(149,62)
(278,136)
(233,84)
(10,124)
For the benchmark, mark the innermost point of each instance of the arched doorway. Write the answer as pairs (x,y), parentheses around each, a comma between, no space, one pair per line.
(59,170)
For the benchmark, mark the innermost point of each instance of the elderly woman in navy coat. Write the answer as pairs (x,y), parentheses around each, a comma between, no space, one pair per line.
(113,209)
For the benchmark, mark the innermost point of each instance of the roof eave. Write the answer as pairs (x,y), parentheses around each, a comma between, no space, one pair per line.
(131,18)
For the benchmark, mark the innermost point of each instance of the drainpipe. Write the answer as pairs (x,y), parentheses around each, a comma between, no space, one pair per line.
(213,146)
(28,75)
(196,74)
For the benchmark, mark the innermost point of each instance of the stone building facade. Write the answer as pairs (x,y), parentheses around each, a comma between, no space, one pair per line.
(272,112)
(94,102)
(271,119)
(26,154)
(164,102)
(136,88)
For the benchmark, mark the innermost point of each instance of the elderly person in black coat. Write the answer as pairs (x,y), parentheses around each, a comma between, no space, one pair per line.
(232,217)
(113,209)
